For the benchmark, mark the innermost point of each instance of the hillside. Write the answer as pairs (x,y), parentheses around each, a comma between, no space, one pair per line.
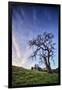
(21,77)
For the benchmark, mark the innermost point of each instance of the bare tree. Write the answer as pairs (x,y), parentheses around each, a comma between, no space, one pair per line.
(44,48)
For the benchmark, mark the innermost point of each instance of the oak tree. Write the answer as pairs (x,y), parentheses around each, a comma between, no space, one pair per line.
(44,49)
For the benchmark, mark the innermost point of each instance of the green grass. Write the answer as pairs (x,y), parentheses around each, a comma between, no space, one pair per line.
(21,77)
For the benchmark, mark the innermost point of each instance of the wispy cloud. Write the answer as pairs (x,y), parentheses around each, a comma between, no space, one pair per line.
(20,58)
(34,16)
(18,53)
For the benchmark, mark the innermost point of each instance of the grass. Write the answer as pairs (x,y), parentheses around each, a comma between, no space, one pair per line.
(21,77)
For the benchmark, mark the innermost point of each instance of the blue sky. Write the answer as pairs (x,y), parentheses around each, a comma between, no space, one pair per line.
(27,23)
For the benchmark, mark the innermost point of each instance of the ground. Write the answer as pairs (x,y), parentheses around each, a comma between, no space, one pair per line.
(22,77)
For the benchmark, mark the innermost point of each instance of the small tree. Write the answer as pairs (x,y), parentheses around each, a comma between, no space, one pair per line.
(31,68)
(36,66)
(44,48)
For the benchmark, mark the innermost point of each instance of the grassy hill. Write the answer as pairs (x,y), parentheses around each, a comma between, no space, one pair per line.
(21,77)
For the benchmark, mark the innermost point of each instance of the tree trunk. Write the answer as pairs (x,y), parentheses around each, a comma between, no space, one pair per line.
(48,63)
(48,66)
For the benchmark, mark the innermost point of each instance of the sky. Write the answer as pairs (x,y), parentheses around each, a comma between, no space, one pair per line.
(27,22)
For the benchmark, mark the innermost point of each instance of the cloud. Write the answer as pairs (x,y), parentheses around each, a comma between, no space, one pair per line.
(34,15)
(16,46)
(16,52)
(19,56)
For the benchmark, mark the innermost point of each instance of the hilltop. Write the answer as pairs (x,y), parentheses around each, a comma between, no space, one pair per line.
(22,77)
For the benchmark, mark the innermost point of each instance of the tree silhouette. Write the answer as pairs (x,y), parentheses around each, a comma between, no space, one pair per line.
(43,48)
(36,67)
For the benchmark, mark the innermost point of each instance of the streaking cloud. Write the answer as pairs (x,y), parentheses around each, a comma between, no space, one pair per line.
(18,56)
(16,47)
